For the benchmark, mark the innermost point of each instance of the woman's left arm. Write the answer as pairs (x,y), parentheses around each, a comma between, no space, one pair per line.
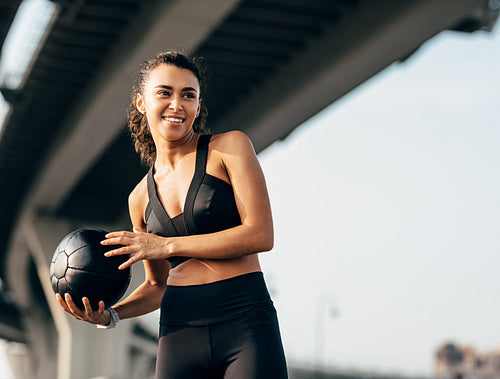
(254,235)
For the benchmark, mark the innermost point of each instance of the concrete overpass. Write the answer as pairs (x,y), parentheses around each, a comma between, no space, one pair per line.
(66,161)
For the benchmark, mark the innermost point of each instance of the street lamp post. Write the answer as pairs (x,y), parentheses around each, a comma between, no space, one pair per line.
(325,305)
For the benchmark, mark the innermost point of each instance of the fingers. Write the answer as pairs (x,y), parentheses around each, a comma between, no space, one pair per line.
(90,315)
(123,239)
(68,305)
(62,303)
(88,308)
(128,243)
(124,251)
(73,308)
(128,263)
(119,251)
(119,238)
(122,233)
(86,314)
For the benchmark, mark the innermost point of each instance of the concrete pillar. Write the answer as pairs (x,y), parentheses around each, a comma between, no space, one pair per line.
(19,360)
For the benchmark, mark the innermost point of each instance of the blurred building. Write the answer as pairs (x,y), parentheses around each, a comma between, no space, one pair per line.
(454,361)
(311,373)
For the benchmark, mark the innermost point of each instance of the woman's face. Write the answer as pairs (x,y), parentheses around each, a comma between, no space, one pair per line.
(170,101)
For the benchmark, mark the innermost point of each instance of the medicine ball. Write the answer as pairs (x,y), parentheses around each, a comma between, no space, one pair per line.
(80,268)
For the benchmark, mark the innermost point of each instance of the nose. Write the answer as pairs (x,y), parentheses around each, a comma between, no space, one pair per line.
(175,103)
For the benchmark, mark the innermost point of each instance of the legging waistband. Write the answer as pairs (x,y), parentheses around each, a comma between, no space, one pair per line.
(210,303)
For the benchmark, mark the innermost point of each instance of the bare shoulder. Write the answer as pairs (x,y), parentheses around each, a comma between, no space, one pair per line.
(139,193)
(137,202)
(234,142)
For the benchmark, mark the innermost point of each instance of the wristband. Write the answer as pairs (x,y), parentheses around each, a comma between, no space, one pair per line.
(112,322)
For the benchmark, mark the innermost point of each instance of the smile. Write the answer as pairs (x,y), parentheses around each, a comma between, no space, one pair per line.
(173,119)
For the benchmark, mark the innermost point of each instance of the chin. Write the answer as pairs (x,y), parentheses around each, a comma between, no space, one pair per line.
(176,134)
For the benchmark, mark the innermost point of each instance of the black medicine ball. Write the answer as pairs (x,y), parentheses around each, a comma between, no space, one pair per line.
(80,268)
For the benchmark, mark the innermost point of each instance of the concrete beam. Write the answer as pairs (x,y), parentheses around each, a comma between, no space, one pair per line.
(321,74)
(101,117)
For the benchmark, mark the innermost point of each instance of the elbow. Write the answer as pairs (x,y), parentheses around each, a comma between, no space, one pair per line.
(266,242)
(258,237)
(156,285)
(268,247)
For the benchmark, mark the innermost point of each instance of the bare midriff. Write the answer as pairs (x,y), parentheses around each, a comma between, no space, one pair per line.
(203,271)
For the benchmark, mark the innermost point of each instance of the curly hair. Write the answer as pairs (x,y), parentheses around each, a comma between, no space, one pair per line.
(138,123)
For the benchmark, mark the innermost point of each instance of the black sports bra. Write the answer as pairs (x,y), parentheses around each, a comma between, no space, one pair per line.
(209,207)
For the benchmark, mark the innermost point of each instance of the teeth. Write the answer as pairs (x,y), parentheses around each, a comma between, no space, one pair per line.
(173,119)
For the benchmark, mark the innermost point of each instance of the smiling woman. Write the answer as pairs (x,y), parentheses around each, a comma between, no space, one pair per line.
(170,109)
(201,216)
(138,120)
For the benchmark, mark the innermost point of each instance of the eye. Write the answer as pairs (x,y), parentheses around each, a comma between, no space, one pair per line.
(189,95)
(163,93)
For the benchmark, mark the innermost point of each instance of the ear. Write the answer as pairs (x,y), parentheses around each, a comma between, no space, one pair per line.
(199,108)
(139,103)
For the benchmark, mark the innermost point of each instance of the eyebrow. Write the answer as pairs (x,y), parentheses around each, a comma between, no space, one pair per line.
(171,88)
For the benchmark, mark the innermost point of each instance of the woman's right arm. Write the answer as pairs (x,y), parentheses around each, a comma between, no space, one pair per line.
(145,298)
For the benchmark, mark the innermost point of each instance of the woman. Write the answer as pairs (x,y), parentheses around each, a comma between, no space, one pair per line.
(200,217)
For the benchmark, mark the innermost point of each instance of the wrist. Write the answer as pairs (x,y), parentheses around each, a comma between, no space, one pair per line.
(107,317)
(170,248)
(113,319)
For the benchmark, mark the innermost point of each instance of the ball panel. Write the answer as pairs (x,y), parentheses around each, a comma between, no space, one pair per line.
(51,268)
(84,237)
(54,283)
(60,265)
(96,287)
(62,245)
(91,258)
(63,286)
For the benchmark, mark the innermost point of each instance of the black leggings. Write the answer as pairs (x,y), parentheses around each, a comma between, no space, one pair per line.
(238,337)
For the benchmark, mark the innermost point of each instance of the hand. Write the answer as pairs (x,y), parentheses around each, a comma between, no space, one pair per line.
(99,317)
(138,244)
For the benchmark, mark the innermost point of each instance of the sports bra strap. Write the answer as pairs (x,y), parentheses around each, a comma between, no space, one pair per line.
(155,205)
(199,174)
(151,192)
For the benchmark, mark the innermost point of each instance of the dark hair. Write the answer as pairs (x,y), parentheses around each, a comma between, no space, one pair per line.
(137,122)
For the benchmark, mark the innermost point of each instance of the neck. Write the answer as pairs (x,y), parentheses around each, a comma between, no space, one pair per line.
(169,153)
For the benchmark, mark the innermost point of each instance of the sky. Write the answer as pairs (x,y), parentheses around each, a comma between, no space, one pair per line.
(387,215)
(387,210)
